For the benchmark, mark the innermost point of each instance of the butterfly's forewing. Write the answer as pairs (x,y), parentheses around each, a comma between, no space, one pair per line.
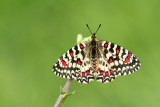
(75,64)
(115,60)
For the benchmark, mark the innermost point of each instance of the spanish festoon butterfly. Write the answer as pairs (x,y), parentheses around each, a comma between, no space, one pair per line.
(100,60)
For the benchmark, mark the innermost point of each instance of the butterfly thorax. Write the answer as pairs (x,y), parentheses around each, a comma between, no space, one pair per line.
(93,52)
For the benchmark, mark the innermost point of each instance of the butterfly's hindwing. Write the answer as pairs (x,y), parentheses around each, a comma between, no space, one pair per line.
(75,64)
(85,72)
(116,60)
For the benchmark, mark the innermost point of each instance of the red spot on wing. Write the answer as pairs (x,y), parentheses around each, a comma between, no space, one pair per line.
(90,68)
(71,53)
(98,69)
(117,51)
(110,72)
(101,72)
(64,63)
(110,60)
(81,46)
(130,54)
(127,59)
(88,72)
(83,73)
(106,73)
(79,73)
(61,58)
(106,45)
(79,62)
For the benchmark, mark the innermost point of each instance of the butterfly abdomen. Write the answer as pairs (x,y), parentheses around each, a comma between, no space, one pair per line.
(94,54)
(94,63)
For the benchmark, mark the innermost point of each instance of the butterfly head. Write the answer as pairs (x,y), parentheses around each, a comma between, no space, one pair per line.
(93,40)
(93,34)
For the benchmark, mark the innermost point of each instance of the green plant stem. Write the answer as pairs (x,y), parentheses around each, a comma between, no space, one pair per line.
(63,95)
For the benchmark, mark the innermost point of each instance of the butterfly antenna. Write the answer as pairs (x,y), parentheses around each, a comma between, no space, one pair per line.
(98,28)
(89,29)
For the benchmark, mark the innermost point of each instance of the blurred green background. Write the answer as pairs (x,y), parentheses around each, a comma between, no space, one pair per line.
(35,33)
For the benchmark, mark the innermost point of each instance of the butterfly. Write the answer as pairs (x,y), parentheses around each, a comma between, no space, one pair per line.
(100,60)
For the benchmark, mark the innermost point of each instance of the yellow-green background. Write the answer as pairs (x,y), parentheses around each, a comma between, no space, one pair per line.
(35,33)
